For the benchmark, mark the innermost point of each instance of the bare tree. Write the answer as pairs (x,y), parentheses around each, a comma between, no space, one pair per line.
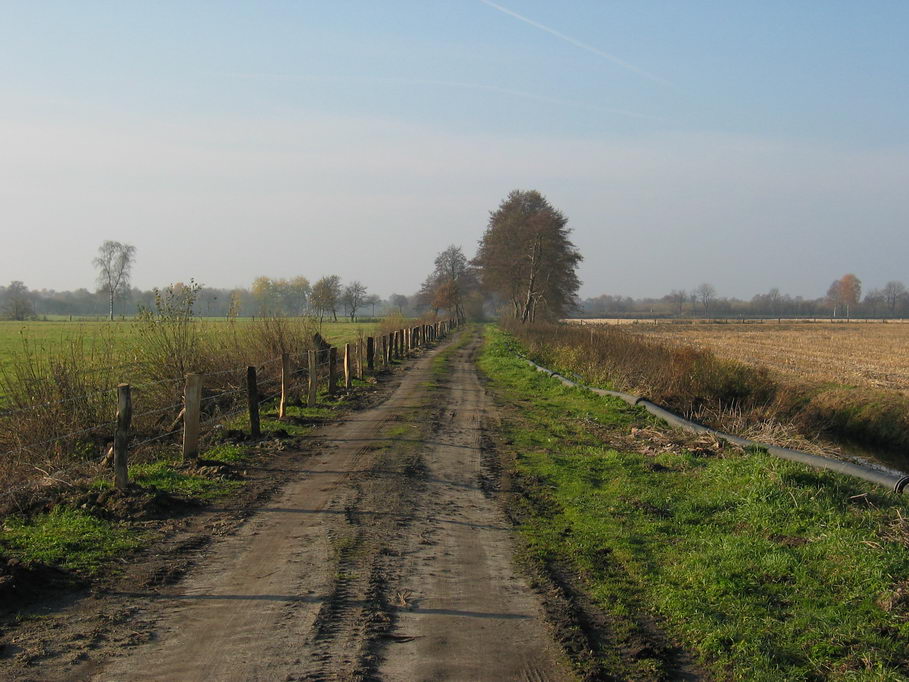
(399,301)
(678,297)
(372,300)
(893,291)
(449,283)
(353,298)
(705,293)
(325,296)
(114,263)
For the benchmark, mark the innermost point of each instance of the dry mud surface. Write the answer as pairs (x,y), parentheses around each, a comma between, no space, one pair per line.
(380,557)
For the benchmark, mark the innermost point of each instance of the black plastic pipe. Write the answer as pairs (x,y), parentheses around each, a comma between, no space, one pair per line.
(896,482)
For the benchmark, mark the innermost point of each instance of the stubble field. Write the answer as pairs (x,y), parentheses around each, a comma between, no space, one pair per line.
(858,354)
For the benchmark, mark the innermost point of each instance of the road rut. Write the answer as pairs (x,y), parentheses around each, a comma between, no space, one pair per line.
(382,558)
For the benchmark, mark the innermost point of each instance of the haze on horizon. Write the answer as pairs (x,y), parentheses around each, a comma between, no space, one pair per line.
(751,145)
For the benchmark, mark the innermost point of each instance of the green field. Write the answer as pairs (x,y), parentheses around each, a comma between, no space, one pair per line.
(52,336)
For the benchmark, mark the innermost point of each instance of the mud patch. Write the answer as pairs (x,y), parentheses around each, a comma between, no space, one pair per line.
(136,504)
(21,582)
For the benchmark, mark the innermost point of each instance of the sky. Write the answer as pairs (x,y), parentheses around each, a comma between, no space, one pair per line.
(750,144)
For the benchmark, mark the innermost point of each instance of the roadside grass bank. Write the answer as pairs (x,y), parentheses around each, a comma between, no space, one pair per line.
(761,568)
(719,391)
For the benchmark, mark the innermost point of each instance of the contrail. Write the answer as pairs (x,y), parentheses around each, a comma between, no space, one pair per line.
(449,84)
(525,95)
(578,43)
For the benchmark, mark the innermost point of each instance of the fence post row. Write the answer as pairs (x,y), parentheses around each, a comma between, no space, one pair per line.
(347,377)
(192,407)
(121,436)
(313,378)
(395,344)
(359,350)
(332,369)
(285,385)
(252,396)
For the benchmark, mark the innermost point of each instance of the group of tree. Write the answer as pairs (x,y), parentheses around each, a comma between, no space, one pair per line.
(525,266)
(843,299)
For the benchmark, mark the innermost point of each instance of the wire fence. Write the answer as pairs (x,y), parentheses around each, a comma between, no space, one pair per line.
(159,409)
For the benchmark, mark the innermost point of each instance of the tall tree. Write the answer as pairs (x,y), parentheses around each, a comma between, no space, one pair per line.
(705,293)
(353,298)
(266,292)
(15,302)
(893,291)
(399,301)
(526,257)
(325,296)
(846,292)
(449,283)
(114,263)
(678,297)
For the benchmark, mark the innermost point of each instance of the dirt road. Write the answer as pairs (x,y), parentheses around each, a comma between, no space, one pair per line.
(381,557)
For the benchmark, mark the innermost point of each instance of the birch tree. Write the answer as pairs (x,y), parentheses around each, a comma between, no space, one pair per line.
(114,263)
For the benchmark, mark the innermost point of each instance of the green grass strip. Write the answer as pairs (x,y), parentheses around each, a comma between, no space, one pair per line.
(764,568)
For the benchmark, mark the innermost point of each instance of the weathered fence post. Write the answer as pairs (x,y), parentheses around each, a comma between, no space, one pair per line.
(121,437)
(384,350)
(332,369)
(285,385)
(359,350)
(252,398)
(347,377)
(192,404)
(370,353)
(313,378)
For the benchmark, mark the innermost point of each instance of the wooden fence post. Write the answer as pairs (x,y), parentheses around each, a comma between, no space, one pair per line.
(370,353)
(347,377)
(192,404)
(384,350)
(359,351)
(121,437)
(332,369)
(252,399)
(313,378)
(285,385)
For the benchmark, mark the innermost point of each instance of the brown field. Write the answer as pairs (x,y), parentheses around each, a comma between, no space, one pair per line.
(857,353)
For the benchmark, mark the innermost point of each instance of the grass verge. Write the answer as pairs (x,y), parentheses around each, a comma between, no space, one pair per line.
(763,569)
(82,533)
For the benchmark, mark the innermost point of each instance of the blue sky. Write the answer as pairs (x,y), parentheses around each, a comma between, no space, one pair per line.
(748,144)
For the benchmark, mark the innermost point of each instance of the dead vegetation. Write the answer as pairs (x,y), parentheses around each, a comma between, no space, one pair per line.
(860,354)
(719,390)
(58,414)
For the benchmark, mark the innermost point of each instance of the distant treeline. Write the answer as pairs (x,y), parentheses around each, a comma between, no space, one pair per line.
(265,297)
(891,300)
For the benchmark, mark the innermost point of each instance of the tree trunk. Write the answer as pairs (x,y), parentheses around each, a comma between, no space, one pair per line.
(112,305)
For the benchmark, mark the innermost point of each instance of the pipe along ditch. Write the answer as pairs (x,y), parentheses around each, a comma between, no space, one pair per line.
(896,482)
